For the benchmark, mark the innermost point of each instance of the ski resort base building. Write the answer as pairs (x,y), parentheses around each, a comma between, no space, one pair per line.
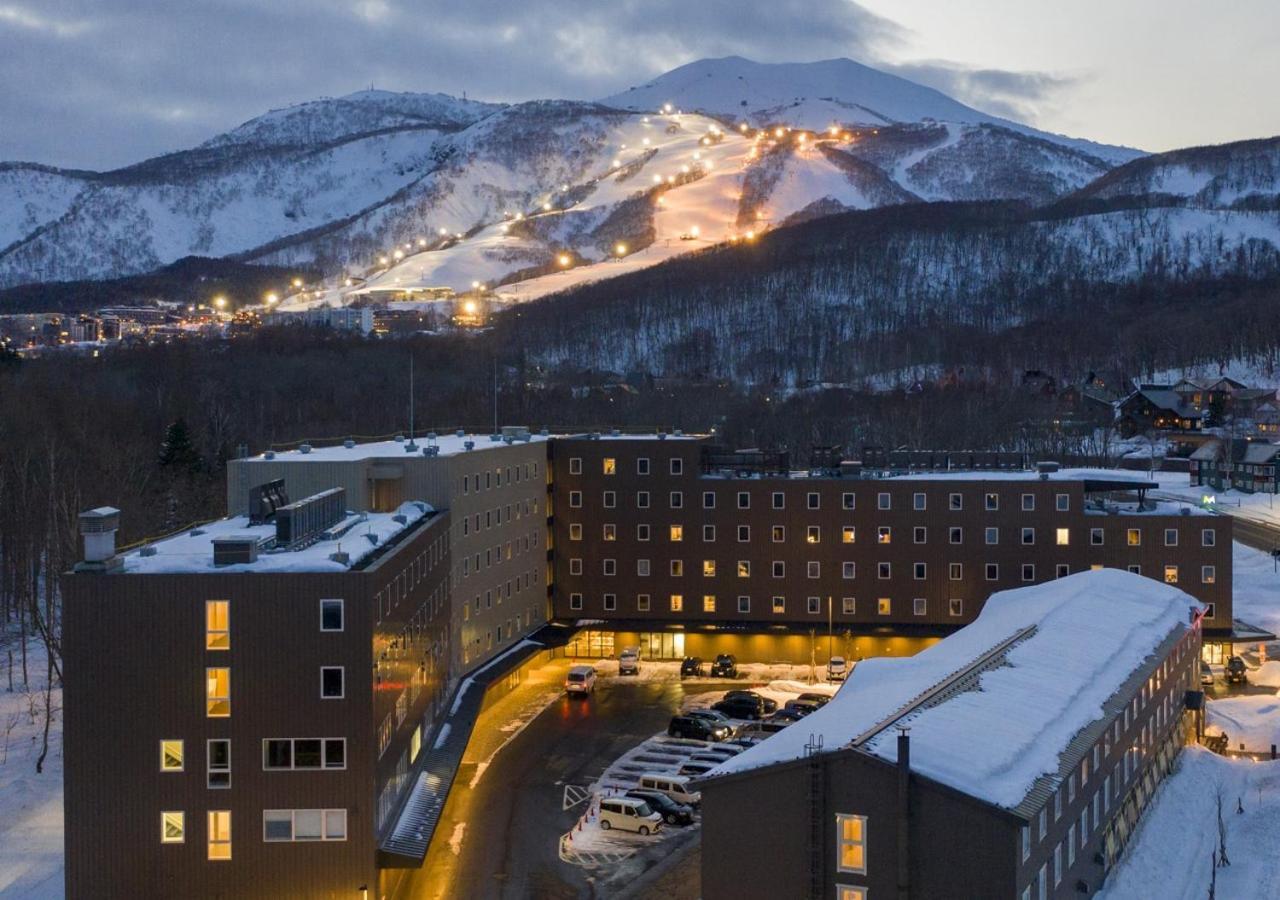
(1011,760)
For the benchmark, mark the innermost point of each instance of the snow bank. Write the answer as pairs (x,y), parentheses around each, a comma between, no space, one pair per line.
(1252,720)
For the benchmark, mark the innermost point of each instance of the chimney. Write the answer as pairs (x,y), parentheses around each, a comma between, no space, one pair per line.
(904,813)
(99,526)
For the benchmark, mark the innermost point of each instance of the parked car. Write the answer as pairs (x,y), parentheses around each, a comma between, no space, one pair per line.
(741,708)
(747,740)
(691,667)
(803,707)
(761,730)
(1236,672)
(725,666)
(672,813)
(785,715)
(820,699)
(769,705)
(709,756)
(729,747)
(629,662)
(713,715)
(580,680)
(837,668)
(1206,673)
(629,814)
(697,729)
(674,786)
(695,768)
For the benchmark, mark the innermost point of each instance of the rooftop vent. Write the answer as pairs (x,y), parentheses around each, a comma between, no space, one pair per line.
(495,438)
(615,432)
(149,550)
(431,435)
(544,432)
(468,445)
(303,522)
(270,454)
(399,438)
(678,432)
(265,499)
(348,443)
(460,433)
(236,549)
(662,435)
(1046,466)
(99,526)
(431,451)
(304,449)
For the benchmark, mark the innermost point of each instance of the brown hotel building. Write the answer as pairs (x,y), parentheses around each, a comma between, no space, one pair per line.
(682,550)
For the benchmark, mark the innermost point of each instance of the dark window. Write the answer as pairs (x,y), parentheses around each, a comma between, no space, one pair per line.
(307,753)
(331,682)
(279,754)
(330,615)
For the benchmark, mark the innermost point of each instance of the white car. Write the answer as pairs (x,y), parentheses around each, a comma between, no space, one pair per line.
(629,662)
(837,669)
(674,786)
(580,680)
(629,814)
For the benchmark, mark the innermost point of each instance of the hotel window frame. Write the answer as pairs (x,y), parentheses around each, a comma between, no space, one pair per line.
(214,772)
(324,820)
(575,465)
(575,565)
(1133,537)
(677,602)
(642,465)
(215,842)
(992,572)
(708,499)
(778,604)
(919,571)
(991,536)
(675,568)
(884,501)
(1062,537)
(708,534)
(955,571)
(610,602)
(217,625)
(644,568)
(884,534)
(919,606)
(643,532)
(1062,502)
(813,500)
(609,499)
(744,499)
(955,534)
(609,567)
(884,606)
(609,465)
(857,846)
(675,500)
(675,533)
(575,601)
(1097,537)
(608,531)
(991,501)
(1028,503)
(744,534)
(848,606)
(848,570)
(1028,572)
(813,534)
(813,569)
(328,603)
(848,501)
(642,499)
(813,605)
(778,500)
(216,703)
(708,568)
(1171,532)
(575,499)
(642,603)
(1170,573)
(744,603)
(675,466)
(884,571)
(955,501)
(848,534)
(342,683)
(1061,570)
(176,817)
(708,603)
(1208,574)
(1027,537)
(779,568)
(744,568)
(778,534)
(919,501)
(919,534)
(167,745)
(1208,537)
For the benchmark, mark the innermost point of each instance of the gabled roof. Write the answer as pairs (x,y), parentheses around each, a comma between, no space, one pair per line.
(995,708)
(1259,452)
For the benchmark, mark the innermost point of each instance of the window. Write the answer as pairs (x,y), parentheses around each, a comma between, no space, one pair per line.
(744,534)
(1028,536)
(1133,537)
(709,534)
(955,534)
(642,465)
(1026,842)
(1071,845)
(991,501)
(1171,537)
(610,567)
(883,534)
(1042,882)
(812,500)
(851,843)
(1062,502)
(848,892)
(610,466)
(609,532)
(744,500)
(331,682)
(779,569)
(956,607)
(847,534)
(677,499)
(1170,574)
(884,570)
(676,533)
(575,601)
(642,532)
(708,500)
(744,568)
(1095,537)
(676,466)
(744,604)
(991,535)
(610,602)
(955,571)
(676,568)
(778,533)
(171,756)
(218,765)
(1028,502)
(219,834)
(1057,865)
(884,606)
(217,627)
(919,606)
(642,568)
(642,499)
(919,535)
(882,501)
(642,602)
(779,604)
(955,501)
(1061,570)
(993,572)
(848,570)
(173,827)
(847,605)
(1208,537)
(304,825)
(575,465)
(677,602)
(290,754)
(814,605)
(1208,575)
(813,534)
(1135,569)
(575,499)
(918,501)
(847,501)
(779,500)
(217,690)
(919,571)
(1028,571)
(708,568)
(331,615)
(575,565)
(610,499)
(1062,536)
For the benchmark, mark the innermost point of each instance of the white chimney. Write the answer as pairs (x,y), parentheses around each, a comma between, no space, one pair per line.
(99,528)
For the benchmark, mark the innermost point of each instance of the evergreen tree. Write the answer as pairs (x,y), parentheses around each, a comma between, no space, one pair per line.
(177,451)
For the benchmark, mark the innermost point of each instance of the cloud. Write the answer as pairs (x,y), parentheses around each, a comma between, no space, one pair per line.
(103,83)
(1024,96)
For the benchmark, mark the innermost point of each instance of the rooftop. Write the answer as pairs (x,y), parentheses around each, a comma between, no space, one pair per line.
(993,707)
(358,535)
(1122,478)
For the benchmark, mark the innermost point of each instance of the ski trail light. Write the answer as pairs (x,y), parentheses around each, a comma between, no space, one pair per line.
(470,307)
(382,261)
(272,298)
(475,285)
(444,232)
(422,242)
(751,235)
(546,207)
(220,302)
(564,260)
(645,142)
(297,282)
(617,163)
(743,127)
(657,179)
(666,107)
(620,249)
(398,255)
(694,231)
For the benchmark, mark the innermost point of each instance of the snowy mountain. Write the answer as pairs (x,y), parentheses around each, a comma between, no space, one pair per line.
(818,95)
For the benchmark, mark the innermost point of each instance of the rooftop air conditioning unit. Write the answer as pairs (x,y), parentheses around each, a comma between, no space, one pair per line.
(270,454)
(305,448)
(399,438)
(235,550)
(460,433)
(348,443)
(148,550)
(679,432)
(468,445)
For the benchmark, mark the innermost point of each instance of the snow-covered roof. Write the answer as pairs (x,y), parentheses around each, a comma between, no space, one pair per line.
(192,551)
(1043,660)
(448,444)
(1138,479)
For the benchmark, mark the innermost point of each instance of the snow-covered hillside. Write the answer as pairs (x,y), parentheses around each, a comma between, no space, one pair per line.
(339,183)
(1243,175)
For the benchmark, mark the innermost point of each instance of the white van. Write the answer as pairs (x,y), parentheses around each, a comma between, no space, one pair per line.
(674,786)
(629,662)
(629,814)
(837,669)
(580,680)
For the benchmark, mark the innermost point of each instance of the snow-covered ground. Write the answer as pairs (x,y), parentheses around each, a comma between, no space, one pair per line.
(30,804)
(1170,856)
(1258,507)
(1250,722)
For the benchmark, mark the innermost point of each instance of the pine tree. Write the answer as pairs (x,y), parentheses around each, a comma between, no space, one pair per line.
(177,450)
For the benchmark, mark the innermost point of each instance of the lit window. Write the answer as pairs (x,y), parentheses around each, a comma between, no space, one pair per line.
(677,532)
(847,605)
(851,843)
(744,568)
(575,531)
(884,606)
(957,607)
(677,602)
(779,604)
(1208,575)
(708,602)
(677,567)
(883,534)
(217,628)
(1133,537)
(1170,574)
(813,534)
(171,756)
(218,692)
(848,892)
(331,618)
(778,533)
(173,827)
(610,532)
(847,534)
(610,465)
(219,834)
(708,568)
(1062,536)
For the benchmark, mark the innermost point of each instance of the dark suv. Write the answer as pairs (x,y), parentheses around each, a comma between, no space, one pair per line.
(769,705)
(697,729)
(741,708)
(1236,673)
(672,813)
(725,666)
(691,667)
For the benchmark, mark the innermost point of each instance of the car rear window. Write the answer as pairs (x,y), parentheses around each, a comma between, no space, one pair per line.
(576,676)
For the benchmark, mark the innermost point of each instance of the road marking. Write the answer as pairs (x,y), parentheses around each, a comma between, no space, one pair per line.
(575,794)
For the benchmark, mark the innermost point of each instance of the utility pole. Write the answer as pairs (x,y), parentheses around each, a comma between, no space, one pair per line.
(495,394)
(830,633)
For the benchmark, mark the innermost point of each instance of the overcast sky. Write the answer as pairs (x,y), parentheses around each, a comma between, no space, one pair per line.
(101,83)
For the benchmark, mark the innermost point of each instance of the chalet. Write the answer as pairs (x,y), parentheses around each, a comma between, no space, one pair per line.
(1160,407)
(1237,464)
